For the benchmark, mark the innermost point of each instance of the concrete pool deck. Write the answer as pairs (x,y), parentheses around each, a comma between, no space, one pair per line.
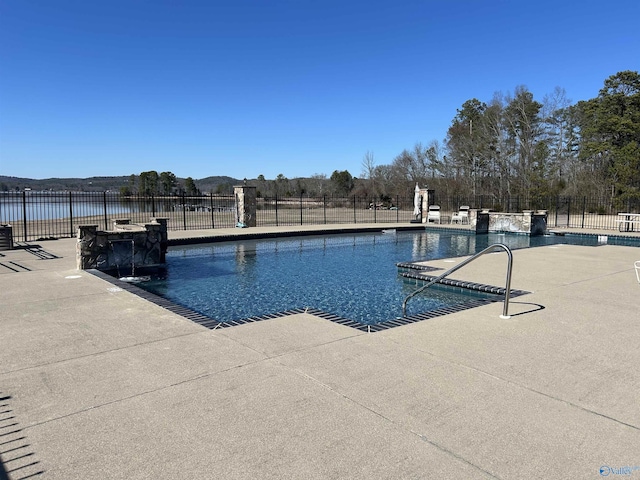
(97,383)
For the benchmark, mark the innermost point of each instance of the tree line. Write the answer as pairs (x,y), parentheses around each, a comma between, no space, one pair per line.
(516,145)
(154,183)
(512,145)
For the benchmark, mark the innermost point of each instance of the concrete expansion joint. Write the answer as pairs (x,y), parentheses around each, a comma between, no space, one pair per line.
(538,392)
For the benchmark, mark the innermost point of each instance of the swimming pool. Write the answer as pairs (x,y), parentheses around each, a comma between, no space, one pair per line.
(352,276)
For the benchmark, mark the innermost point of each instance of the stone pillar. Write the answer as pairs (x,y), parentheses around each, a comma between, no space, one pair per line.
(85,245)
(481,221)
(427,199)
(155,244)
(539,223)
(164,237)
(526,221)
(245,205)
(6,237)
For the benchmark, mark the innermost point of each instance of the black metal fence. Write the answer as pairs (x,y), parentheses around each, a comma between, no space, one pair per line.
(563,211)
(41,215)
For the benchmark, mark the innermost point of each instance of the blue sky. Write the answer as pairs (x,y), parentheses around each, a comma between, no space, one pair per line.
(297,87)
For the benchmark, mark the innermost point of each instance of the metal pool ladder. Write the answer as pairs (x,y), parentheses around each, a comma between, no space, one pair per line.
(505,309)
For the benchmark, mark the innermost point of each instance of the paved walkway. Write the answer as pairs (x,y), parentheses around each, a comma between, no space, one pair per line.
(96,383)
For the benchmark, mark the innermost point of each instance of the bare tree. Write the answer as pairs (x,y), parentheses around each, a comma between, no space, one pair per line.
(317,184)
(559,135)
(410,167)
(368,169)
(524,128)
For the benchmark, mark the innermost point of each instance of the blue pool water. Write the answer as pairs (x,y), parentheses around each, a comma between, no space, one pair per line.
(350,275)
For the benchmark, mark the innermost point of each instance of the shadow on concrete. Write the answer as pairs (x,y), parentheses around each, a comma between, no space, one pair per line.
(16,457)
(537,308)
(35,249)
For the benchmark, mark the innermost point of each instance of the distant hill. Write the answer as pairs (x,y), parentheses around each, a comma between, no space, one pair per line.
(210,184)
(99,184)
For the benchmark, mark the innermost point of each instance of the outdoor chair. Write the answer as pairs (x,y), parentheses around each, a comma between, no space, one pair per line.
(462,216)
(637,267)
(433,214)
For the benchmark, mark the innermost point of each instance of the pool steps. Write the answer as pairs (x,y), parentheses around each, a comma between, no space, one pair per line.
(411,271)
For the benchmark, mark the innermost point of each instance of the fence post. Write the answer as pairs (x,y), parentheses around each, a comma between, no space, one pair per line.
(153,205)
(375,217)
(355,220)
(324,208)
(70,215)
(300,208)
(213,224)
(24,214)
(184,212)
(569,213)
(104,205)
(397,209)
(584,207)
(276,197)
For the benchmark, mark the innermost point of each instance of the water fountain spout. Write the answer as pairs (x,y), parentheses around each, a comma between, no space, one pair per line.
(131,278)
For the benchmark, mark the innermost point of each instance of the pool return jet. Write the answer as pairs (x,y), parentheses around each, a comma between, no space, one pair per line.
(128,278)
(507,292)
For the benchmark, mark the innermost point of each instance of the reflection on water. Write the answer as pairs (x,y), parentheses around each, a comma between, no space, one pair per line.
(464,243)
(351,275)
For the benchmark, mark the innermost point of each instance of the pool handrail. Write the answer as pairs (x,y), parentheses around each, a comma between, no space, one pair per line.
(507,293)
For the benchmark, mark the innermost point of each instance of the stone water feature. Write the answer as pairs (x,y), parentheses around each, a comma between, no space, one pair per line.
(529,222)
(126,250)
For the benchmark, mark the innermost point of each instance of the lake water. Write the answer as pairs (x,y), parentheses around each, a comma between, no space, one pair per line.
(42,206)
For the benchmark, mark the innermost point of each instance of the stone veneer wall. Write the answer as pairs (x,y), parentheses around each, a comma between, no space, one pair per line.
(145,245)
